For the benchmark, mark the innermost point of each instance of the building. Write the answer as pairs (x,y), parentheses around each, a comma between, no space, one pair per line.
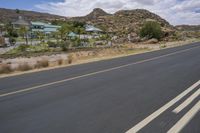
(20,23)
(35,26)
(44,27)
(91,28)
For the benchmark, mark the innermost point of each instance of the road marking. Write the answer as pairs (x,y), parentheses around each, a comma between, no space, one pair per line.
(158,112)
(185,119)
(94,73)
(187,102)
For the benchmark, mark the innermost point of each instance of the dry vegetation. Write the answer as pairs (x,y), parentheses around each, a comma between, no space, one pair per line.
(5,68)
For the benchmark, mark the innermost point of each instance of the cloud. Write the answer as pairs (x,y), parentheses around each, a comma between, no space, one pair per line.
(175,11)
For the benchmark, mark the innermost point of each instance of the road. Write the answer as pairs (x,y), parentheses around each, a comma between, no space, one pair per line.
(155,92)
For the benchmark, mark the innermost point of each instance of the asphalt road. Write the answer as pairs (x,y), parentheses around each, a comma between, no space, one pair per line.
(154,92)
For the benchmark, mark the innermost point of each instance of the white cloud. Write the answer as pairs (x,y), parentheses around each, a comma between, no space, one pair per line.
(175,11)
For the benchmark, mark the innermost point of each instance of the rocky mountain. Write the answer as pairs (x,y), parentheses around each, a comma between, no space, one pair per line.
(11,15)
(188,27)
(123,22)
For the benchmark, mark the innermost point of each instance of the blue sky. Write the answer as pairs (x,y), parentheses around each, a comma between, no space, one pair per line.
(23,4)
(174,11)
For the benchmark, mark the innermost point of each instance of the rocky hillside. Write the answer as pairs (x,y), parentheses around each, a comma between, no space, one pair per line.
(188,27)
(11,15)
(124,22)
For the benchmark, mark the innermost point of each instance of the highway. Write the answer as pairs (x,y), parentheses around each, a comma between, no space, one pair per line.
(154,92)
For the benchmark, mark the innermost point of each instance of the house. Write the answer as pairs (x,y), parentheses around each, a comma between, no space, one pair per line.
(21,23)
(92,29)
(44,27)
(35,26)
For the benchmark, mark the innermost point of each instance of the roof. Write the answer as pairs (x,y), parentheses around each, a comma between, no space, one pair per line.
(45,25)
(72,34)
(21,21)
(90,28)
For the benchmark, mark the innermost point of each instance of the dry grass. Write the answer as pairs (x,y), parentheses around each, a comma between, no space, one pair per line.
(60,61)
(5,68)
(24,67)
(70,59)
(42,63)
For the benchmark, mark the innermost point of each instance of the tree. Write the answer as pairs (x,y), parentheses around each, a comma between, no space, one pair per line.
(79,30)
(24,32)
(17,11)
(40,35)
(65,29)
(151,29)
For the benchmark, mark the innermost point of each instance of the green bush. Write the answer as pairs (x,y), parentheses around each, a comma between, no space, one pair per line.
(52,44)
(151,29)
(22,48)
(64,46)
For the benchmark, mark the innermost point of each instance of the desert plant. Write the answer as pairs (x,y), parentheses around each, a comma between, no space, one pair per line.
(60,61)
(64,45)
(5,68)
(22,48)
(151,29)
(52,44)
(24,67)
(42,63)
(70,58)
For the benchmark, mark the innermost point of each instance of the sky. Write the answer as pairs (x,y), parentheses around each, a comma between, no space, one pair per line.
(175,11)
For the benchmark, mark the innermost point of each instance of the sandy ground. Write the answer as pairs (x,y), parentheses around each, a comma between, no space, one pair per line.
(88,56)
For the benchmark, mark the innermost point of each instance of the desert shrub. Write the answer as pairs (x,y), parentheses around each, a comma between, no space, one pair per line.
(24,67)
(64,45)
(60,61)
(5,68)
(12,40)
(70,58)
(52,44)
(151,29)
(22,48)
(42,63)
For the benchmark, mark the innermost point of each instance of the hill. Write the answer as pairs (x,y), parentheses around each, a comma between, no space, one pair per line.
(123,22)
(188,27)
(11,15)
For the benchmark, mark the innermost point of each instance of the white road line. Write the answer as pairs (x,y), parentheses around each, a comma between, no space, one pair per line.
(94,73)
(187,102)
(185,119)
(158,112)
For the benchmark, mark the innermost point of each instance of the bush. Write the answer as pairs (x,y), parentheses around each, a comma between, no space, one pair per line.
(22,48)
(12,40)
(52,44)
(60,61)
(64,46)
(151,29)
(5,68)
(24,67)
(42,64)
(70,58)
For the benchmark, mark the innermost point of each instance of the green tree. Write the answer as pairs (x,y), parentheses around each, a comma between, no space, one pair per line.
(79,30)
(41,36)
(151,29)
(17,11)
(24,33)
(63,31)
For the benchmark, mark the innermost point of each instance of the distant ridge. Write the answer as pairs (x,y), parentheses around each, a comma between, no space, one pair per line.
(11,15)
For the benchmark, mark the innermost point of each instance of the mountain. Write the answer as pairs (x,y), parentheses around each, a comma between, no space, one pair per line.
(121,23)
(188,27)
(11,15)
(124,21)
